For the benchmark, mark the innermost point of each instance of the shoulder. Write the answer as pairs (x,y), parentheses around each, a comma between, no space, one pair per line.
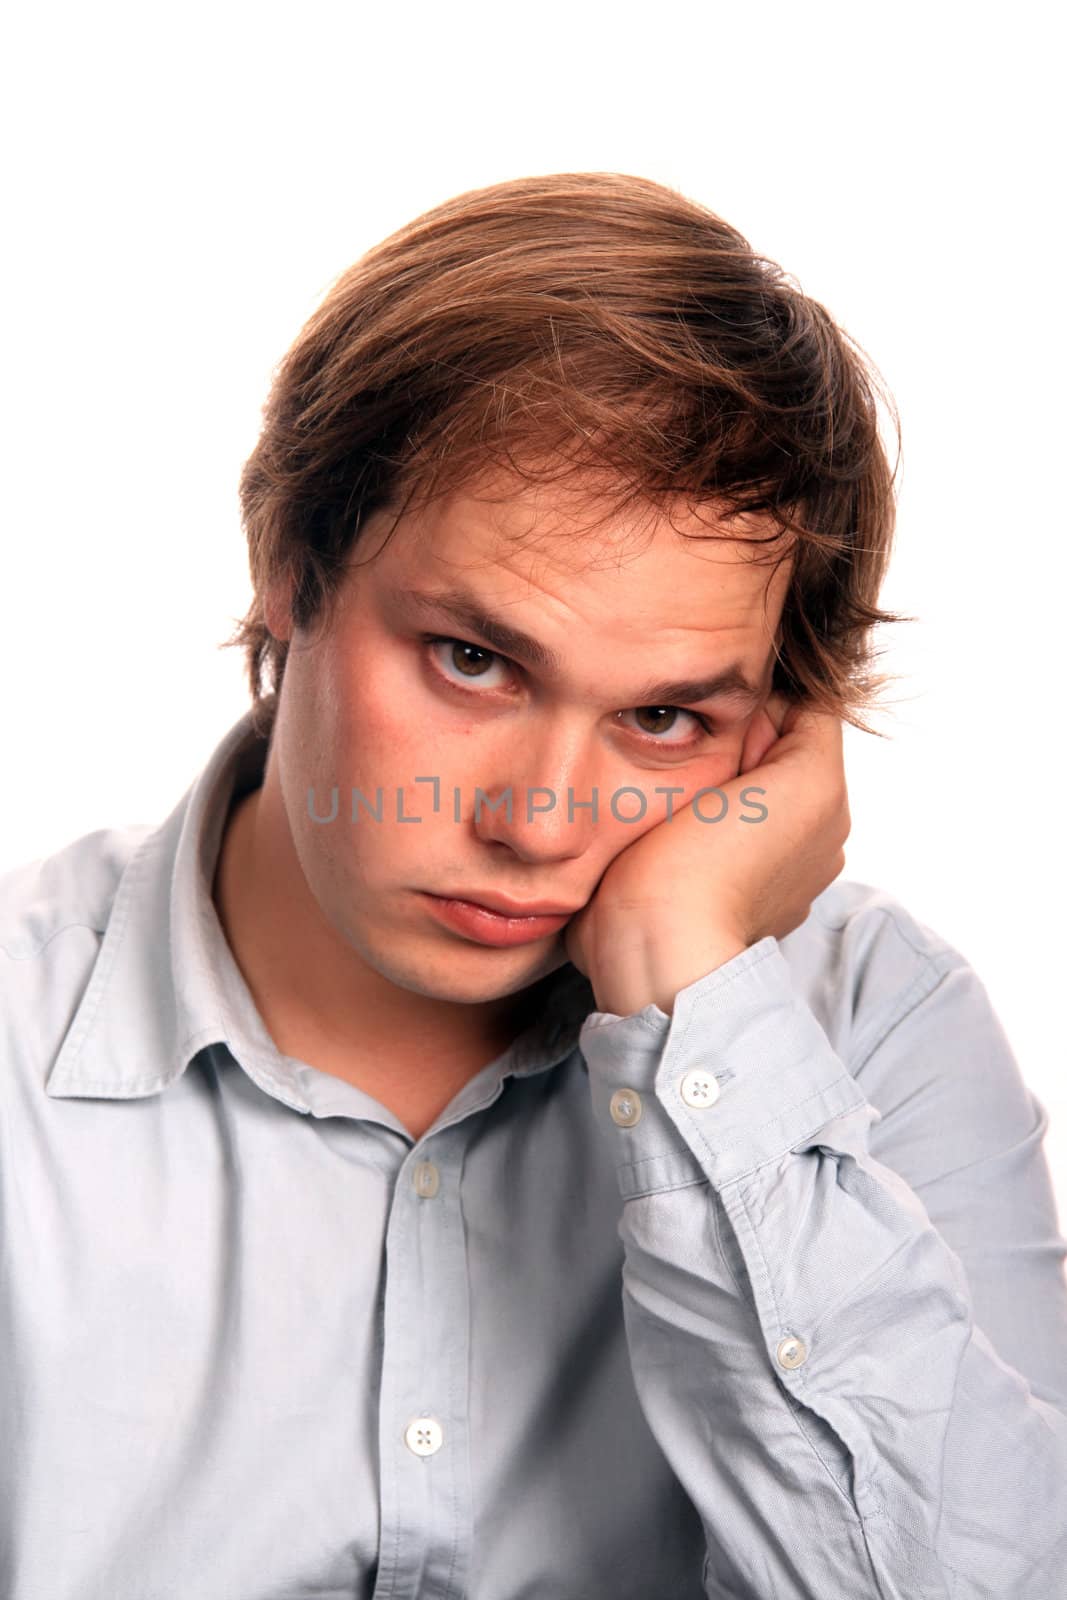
(73,888)
(54,912)
(864,963)
(913,1022)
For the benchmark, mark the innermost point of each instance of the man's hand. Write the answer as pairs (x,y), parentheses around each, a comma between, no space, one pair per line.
(688,895)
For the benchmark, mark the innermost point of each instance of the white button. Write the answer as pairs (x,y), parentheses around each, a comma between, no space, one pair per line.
(625,1107)
(699,1088)
(426,1180)
(423,1435)
(792,1352)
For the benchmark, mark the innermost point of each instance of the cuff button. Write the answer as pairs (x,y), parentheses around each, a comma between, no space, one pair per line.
(699,1088)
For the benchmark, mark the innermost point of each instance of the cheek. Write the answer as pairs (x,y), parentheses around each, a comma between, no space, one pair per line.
(720,766)
(715,771)
(379,723)
(724,761)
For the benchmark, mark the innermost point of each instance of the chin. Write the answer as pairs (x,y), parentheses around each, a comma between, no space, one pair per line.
(468,974)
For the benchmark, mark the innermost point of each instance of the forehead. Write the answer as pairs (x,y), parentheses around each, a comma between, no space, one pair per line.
(569,553)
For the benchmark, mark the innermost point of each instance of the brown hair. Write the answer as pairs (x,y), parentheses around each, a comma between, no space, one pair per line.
(610,326)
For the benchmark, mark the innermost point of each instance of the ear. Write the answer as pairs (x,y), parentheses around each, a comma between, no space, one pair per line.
(277,603)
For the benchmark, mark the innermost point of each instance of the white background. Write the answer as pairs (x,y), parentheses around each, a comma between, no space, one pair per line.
(185,182)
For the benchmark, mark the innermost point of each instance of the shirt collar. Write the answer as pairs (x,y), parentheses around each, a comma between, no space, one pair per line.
(165,984)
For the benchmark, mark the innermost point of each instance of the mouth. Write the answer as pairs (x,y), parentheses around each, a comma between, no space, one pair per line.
(503,907)
(485,924)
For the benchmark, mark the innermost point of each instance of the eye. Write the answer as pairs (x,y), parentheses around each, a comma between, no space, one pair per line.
(468,661)
(466,664)
(655,715)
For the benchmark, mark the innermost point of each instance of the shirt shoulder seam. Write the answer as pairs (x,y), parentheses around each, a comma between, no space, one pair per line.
(926,982)
(937,958)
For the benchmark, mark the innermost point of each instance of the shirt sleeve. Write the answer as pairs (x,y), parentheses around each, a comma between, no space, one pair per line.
(855,1406)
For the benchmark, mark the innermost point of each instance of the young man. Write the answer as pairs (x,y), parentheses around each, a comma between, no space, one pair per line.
(686,1233)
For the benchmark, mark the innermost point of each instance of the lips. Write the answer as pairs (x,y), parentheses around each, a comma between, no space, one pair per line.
(514,908)
(485,925)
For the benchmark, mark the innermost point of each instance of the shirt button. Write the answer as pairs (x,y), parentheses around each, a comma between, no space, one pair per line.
(792,1352)
(426,1180)
(625,1107)
(423,1435)
(699,1088)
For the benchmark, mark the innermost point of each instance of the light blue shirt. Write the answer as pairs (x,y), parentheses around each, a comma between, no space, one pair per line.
(763,1300)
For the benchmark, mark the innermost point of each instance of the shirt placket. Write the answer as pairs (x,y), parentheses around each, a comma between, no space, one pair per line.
(425,1480)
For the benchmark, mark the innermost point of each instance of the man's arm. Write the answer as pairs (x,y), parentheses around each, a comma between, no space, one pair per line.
(855,1406)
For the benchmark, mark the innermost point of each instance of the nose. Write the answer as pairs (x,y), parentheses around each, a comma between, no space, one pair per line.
(541,805)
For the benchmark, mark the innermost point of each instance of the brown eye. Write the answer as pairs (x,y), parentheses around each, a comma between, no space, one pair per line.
(655,714)
(653,721)
(462,655)
(458,658)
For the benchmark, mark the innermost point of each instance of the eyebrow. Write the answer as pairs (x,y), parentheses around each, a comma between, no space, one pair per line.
(730,683)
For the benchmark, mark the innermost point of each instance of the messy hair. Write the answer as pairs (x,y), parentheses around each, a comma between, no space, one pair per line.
(595,326)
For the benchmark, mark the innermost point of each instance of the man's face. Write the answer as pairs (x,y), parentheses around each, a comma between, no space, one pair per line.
(375,704)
